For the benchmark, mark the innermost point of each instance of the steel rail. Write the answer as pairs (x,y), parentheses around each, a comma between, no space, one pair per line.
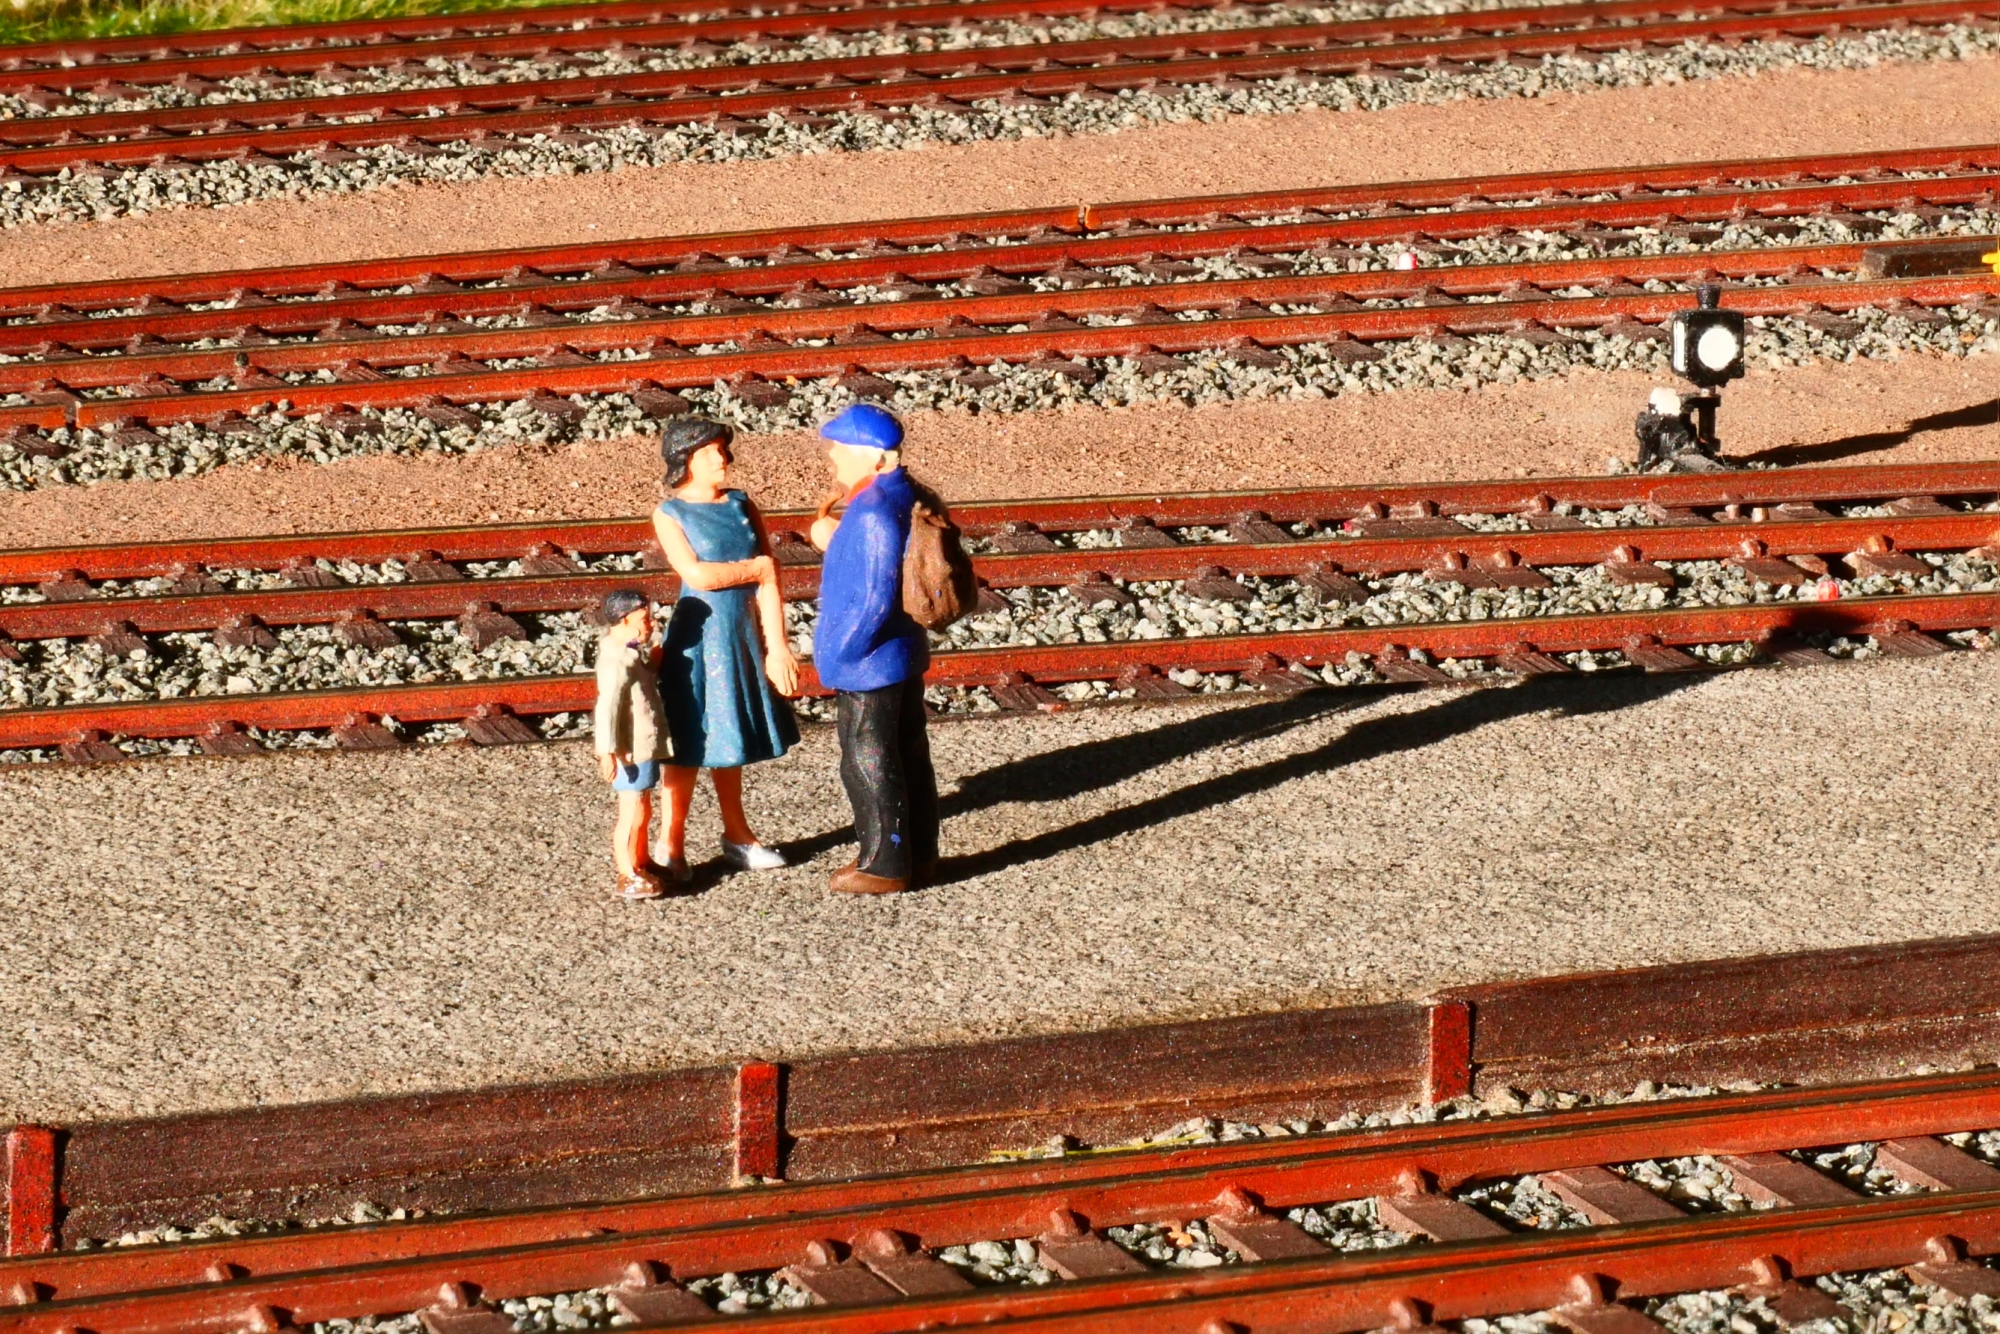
(1582,1272)
(1157,333)
(736,78)
(116,340)
(107,53)
(1450,557)
(374,1270)
(367,43)
(1911,171)
(689,332)
(1269,654)
(1766,488)
(665,99)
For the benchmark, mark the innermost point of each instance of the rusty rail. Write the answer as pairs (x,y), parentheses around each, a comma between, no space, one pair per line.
(45,143)
(378,1270)
(1445,550)
(1907,625)
(1451,207)
(1740,518)
(52,340)
(1154,332)
(1579,1277)
(1767,488)
(878,85)
(166,58)
(683,335)
(105,355)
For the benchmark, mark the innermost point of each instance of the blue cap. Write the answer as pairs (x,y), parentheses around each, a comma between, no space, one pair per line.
(866,425)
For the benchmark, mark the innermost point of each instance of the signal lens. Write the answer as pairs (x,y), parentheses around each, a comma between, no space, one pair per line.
(1716,348)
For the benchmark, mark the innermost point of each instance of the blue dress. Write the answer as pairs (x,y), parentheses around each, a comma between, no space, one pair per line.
(721,710)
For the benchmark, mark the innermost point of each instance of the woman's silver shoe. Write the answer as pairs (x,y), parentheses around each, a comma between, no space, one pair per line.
(751,856)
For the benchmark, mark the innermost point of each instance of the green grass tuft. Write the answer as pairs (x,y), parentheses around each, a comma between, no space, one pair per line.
(68,20)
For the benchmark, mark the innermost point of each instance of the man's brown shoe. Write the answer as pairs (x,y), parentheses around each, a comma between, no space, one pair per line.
(851,879)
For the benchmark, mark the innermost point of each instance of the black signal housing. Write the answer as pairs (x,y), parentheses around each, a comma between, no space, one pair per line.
(1707,343)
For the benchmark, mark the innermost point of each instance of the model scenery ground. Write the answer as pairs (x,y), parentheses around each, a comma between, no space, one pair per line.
(313,926)
(215,933)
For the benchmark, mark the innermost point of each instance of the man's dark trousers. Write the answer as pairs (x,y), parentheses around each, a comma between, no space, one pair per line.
(885,764)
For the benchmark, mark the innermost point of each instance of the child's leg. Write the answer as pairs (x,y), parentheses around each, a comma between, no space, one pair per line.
(678,784)
(628,840)
(729,796)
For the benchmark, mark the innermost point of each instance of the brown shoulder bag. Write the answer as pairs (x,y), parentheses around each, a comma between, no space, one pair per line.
(938,584)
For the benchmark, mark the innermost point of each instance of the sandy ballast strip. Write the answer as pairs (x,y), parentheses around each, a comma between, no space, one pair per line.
(1783,113)
(209,933)
(1915,409)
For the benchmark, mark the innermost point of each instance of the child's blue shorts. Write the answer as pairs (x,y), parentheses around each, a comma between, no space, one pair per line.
(641,777)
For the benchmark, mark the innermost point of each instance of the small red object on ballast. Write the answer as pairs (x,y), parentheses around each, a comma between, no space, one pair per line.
(1826,590)
(1405,261)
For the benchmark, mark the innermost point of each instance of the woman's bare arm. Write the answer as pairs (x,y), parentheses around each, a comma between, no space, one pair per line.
(780,664)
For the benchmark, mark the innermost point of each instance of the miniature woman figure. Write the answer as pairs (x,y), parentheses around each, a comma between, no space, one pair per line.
(728,660)
(630,733)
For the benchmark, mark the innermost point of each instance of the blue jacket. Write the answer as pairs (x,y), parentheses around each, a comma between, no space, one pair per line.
(864,639)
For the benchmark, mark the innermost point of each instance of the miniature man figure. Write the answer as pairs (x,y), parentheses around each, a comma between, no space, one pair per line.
(1679,430)
(1665,429)
(873,655)
(631,733)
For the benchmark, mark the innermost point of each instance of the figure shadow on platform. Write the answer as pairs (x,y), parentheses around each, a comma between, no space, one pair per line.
(1075,770)
(1847,447)
(1094,765)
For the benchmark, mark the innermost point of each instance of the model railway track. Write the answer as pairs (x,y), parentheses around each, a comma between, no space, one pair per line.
(1056,345)
(685,333)
(519,31)
(47,145)
(737,78)
(866,1250)
(491,711)
(557,30)
(1157,306)
(1465,557)
(1041,69)
(1769,536)
(610,318)
(958,245)
(1357,531)
(893,84)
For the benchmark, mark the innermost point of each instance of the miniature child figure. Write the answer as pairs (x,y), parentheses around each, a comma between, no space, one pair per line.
(728,660)
(873,655)
(631,733)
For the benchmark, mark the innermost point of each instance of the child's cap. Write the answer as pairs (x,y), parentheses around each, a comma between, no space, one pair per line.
(866,425)
(620,603)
